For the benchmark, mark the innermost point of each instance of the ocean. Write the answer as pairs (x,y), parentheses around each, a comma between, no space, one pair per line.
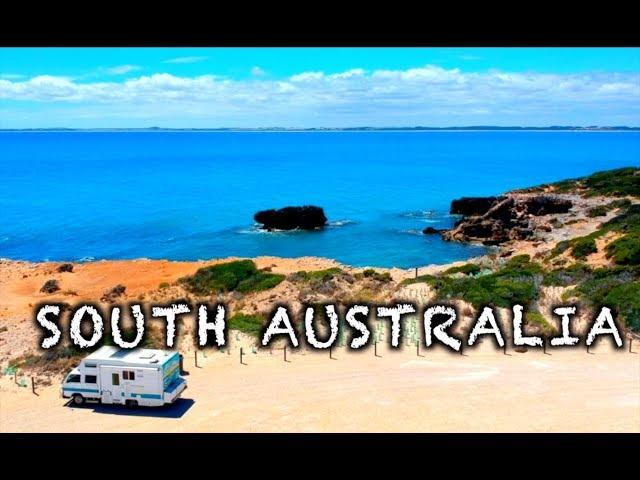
(89,195)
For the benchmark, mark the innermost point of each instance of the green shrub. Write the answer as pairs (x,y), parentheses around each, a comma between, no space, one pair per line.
(561,247)
(620,203)
(562,277)
(516,282)
(163,285)
(241,275)
(583,246)
(619,182)
(628,221)
(316,275)
(381,277)
(259,282)
(625,299)
(430,279)
(246,323)
(467,269)
(599,211)
(625,250)
(537,319)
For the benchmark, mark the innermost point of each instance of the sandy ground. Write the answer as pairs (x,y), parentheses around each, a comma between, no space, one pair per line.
(485,390)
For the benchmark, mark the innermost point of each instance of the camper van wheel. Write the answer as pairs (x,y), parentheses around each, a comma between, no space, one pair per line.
(78,399)
(131,403)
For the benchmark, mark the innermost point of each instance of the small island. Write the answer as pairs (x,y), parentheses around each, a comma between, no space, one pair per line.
(307,217)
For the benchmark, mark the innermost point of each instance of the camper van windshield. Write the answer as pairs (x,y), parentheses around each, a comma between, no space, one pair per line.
(73,378)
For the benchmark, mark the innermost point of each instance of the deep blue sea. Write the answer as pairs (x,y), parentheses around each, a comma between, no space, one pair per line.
(192,195)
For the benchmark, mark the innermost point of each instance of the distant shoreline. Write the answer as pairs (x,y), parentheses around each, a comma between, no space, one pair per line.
(353,129)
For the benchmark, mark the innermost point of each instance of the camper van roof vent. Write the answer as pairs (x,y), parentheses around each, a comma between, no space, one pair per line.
(147,355)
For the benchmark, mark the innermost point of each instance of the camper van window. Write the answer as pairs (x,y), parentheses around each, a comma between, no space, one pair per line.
(128,375)
(90,365)
(73,379)
(90,379)
(115,379)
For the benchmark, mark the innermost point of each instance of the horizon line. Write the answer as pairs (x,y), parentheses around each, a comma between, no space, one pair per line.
(360,128)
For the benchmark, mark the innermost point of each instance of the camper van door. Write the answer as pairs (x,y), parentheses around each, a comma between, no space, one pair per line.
(112,387)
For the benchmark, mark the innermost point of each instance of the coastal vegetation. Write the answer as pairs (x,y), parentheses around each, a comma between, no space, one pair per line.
(240,275)
(375,275)
(316,276)
(619,182)
(516,282)
(247,323)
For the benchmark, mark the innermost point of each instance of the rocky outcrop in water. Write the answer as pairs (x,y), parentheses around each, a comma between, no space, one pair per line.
(495,220)
(432,231)
(290,218)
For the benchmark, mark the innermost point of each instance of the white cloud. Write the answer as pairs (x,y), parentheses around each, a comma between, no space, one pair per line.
(258,72)
(122,69)
(192,59)
(429,95)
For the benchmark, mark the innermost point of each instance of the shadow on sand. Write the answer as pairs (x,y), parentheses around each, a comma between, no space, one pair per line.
(175,410)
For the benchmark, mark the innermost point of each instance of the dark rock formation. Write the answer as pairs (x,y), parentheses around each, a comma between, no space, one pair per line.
(431,230)
(472,205)
(50,286)
(111,295)
(503,218)
(65,267)
(546,204)
(290,218)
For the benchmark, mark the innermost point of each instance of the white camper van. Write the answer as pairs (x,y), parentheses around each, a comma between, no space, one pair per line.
(128,377)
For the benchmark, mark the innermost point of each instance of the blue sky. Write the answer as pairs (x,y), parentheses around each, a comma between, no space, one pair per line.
(317,87)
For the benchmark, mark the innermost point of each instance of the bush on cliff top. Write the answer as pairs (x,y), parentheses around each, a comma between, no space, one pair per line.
(240,275)
(619,182)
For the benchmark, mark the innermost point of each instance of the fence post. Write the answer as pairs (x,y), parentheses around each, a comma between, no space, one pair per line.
(416,272)
(285,354)
(196,358)
(33,386)
(331,353)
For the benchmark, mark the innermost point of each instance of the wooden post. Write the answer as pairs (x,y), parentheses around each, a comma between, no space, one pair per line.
(15,377)
(504,348)
(285,354)
(196,357)
(588,349)
(416,272)
(375,350)
(241,353)
(33,385)
(331,353)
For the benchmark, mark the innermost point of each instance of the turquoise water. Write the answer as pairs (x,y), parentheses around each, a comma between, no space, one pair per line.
(192,195)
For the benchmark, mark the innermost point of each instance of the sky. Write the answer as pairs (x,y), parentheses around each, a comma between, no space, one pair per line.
(317,87)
